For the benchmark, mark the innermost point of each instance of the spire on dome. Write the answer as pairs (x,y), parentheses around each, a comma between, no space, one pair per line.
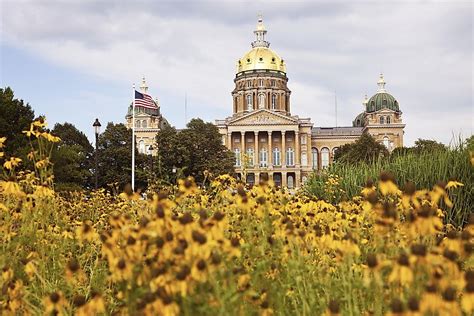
(381,84)
(365,101)
(260,34)
(144,86)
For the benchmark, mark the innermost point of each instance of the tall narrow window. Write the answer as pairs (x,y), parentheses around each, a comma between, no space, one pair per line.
(276,156)
(260,82)
(249,83)
(237,157)
(290,182)
(141,147)
(387,120)
(261,101)
(144,124)
(386,142)
(263,157)
(274,101)
(290,157)
(250,156)
(137,124)
(324,157)
(249,102)
(314,158)
(382,120)
(272,83)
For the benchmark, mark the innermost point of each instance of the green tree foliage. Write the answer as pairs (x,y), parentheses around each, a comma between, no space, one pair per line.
(115,159)
(15,117)
(366,148)
(427,145)
(72,159)
(192,151)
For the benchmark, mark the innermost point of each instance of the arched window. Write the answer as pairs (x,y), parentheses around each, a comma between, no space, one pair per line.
(304,159)
(276,156)
(144,123)
(314,158)
(290,157)
(141,147)
(249,102)
(250,156)
(237,157)
(372,105)
(274,101)
(137,124)
(291,182)
(324,157)
(382,120)
(263,157)
(261,101)
(386,142)
(387,120)
(384,102)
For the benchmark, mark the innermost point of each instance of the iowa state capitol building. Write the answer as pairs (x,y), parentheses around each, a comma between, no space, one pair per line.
(267,139)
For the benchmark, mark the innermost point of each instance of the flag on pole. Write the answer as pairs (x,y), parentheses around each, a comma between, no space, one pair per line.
(144,100)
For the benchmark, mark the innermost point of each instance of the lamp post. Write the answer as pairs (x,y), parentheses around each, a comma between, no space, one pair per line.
(96,126)
(174,174)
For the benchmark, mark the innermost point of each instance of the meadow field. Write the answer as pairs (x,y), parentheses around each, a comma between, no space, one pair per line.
(229,249)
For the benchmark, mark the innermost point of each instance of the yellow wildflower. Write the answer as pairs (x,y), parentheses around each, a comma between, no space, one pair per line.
(12,163)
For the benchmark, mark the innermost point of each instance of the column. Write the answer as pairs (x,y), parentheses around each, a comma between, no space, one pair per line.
(242,140)
(229,140)
(257,178)
(256,158)
(297,149)
(298,179)
(270,150)
(283,179)
(283,150)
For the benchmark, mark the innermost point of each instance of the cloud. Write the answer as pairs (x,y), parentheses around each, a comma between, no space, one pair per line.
(423,48)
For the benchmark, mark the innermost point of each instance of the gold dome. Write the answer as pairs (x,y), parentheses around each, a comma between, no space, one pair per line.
(261,58)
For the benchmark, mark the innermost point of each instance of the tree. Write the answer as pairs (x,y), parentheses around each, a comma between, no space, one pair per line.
(115,158)
(366,149)
(72,159)
(15,117)
(427,145)
(192,151)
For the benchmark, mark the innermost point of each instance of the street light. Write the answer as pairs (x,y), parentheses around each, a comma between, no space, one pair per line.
(96,126)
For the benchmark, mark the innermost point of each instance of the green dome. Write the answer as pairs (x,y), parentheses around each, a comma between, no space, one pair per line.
(359,121)
(382,100)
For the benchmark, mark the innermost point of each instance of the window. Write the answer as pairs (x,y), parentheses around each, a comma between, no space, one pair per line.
(304,159)
(237,157)
(386,142)
(260,82)
(137,124)
(249,84)
(274,101)
(276,157)
(290,157)
(144,124)
(324,157)
(314,158)
(249,102)
(261,101)
(263,157)
(291,182)
(272,83)
(387,120)
(382,120)
(250,156)
(303,139)
(141,147)
(384,102)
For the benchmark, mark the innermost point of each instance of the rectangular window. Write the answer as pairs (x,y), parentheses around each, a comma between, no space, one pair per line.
(263,158)
(276,158)
(237,157)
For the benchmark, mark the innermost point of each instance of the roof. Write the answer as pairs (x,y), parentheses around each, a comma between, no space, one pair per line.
(261,58)
(337,131)
(382,100)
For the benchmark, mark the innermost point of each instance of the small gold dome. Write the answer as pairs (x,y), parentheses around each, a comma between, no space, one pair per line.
(261,58)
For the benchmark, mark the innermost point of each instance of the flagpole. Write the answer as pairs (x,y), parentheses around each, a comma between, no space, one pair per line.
(133,141)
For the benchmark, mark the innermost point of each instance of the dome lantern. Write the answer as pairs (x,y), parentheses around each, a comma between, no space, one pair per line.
(381,99)
(144,86)
(381,84)
(260,34)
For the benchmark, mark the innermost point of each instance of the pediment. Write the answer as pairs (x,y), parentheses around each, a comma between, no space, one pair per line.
(263,117)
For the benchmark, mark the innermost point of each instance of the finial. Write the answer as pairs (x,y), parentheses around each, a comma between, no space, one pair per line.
(144,86)
(381,84)
(260,34)
(366,100)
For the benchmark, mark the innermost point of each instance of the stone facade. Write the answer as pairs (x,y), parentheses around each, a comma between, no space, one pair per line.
(268,141)
(148,122)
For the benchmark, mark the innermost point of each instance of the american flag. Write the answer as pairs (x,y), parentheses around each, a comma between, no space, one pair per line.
(144,100)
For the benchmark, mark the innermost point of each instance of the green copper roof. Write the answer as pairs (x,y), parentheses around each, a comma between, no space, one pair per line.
(359,121)
(382,100)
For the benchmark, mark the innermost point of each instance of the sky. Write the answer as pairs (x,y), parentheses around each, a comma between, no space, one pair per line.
(74,61)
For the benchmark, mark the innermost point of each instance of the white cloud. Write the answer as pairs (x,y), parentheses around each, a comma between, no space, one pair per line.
(425,49)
